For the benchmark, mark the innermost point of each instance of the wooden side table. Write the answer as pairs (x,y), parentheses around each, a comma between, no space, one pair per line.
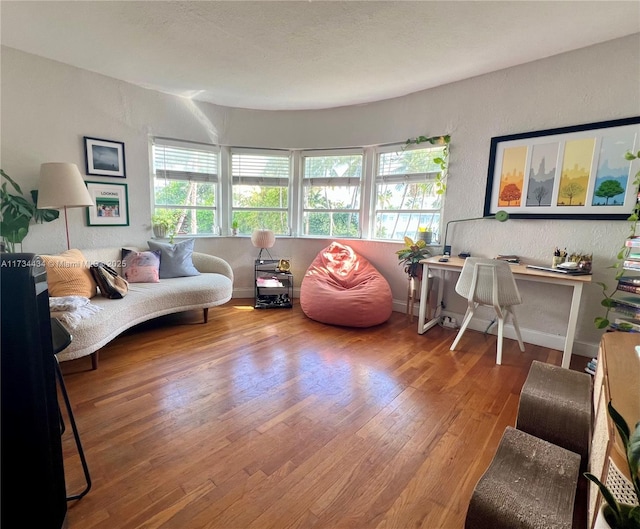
(617,379)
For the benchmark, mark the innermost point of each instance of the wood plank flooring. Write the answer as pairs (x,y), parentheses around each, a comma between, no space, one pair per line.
(264,419)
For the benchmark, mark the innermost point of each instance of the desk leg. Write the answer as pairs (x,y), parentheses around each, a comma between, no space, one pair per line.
(571,326)
(411,298)
(423,324)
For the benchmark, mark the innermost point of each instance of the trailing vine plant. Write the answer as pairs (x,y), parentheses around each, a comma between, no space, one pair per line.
(441,161)
(608,302)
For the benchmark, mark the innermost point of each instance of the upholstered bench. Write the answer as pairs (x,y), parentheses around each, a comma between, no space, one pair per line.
(530,484)
(555,405)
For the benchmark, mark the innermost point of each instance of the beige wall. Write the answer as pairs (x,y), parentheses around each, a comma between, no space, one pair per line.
(47,107)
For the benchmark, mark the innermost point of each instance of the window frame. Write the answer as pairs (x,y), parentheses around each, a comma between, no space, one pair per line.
(428,176)
(214,179)
(233,180)
(308,182)
(223,208)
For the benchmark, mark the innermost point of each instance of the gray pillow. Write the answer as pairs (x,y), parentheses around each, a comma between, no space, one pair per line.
(175,259)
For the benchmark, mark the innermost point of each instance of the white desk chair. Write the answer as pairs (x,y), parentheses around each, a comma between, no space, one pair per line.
(489,282)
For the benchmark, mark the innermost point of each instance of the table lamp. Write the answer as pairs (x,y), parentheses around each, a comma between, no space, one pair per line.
(263,239)
(60,187)
(500,216)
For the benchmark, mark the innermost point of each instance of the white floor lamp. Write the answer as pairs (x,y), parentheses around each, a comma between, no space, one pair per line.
(60,187)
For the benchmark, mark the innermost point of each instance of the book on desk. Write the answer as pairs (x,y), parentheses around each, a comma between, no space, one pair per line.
(566,271)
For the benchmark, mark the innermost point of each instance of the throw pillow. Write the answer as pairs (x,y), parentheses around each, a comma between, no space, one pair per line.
(141,267)
(175,260)
(68,275)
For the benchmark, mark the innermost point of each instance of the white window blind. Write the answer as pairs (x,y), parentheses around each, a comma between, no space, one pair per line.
(178,161)
(261,168)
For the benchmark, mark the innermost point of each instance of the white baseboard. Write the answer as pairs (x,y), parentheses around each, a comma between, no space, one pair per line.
(551,341)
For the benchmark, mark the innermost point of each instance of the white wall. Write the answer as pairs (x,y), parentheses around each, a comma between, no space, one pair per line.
(48,107)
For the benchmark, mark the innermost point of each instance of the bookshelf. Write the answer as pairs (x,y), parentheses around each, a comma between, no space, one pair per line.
(626,308)
(273,285)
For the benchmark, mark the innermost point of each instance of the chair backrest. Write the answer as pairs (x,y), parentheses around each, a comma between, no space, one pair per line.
(489,281)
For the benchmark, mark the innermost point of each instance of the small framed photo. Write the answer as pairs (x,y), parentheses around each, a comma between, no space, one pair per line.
(111,204)
(104,157)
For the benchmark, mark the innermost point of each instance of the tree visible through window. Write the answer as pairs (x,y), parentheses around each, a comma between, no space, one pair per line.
(331,194)
(185,182)
(260,180)
(406,193)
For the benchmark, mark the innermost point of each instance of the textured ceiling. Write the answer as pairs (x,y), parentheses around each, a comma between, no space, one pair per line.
(305,55)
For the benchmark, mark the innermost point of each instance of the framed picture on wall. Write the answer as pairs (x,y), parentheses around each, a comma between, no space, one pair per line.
(111,204)
(104,157)
(577,172)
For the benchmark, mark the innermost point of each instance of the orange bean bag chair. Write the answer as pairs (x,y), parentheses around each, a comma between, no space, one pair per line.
(343,288)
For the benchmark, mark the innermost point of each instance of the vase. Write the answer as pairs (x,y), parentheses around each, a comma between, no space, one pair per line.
(600,522)
(159,232)
(425,236)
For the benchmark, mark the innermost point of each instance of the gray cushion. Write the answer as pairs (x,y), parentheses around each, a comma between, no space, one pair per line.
(175,260)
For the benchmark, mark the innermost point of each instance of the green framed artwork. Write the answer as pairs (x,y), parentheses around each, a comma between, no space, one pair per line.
(577,172)
(111,204)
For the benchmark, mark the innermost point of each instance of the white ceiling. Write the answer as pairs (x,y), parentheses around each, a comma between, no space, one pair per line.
(306,54)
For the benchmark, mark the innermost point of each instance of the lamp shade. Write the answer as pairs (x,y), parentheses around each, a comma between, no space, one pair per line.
(61,185)
(263,238)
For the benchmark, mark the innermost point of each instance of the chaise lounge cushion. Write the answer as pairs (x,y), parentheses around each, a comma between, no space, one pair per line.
(341,287)
(68,274)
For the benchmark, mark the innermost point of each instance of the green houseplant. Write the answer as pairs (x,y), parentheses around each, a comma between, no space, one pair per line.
(411,255)
(18,212)
(608,302)
(441,161)
(164,223)
(620,515)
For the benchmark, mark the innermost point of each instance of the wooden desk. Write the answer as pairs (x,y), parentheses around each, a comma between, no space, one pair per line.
(520,272)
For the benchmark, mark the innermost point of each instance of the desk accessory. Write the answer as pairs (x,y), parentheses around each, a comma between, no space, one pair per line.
(500,216)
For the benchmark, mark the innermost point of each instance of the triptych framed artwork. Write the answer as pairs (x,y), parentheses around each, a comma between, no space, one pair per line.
(577,172)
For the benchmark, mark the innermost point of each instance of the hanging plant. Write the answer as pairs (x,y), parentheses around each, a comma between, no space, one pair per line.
(608,301)
(441,161)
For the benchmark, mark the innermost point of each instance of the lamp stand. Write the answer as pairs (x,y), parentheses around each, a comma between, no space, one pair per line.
(66,226)
(264,250)
(500,216)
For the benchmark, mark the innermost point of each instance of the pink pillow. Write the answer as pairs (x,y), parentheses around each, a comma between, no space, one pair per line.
(141,267)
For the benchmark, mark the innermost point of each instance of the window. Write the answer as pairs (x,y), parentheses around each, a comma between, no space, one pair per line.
(331,186)
(406,192)
(186,186)
(260,190)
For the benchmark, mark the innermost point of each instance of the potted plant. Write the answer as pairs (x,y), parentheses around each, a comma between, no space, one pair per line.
(234,228)
(621,515)
(18,212)
(608,301)
(164,223)
(425,234)
(411,255)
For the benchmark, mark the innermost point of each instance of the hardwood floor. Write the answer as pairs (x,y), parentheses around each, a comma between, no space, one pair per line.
(266,419)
